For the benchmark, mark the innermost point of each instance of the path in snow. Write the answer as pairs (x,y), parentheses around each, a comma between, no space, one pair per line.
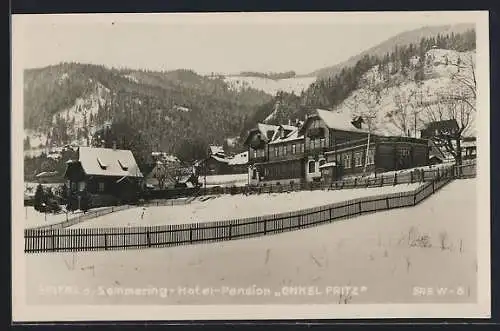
(228,207)
(371,251)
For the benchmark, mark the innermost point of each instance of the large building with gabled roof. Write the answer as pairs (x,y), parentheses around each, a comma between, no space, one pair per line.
(103,174)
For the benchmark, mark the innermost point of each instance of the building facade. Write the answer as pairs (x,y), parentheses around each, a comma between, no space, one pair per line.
(327,146)
(103,175)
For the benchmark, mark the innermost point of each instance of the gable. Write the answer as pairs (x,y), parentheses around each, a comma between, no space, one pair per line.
(108,162)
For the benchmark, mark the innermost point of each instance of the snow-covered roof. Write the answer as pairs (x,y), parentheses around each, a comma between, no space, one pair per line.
(328,165)
(108,162)
(216,150)
(468,143)
(264,128)
(338,120)
(241,158)
(294,135)
(218,158)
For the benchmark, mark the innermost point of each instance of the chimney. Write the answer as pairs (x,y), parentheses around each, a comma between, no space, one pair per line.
(114,145)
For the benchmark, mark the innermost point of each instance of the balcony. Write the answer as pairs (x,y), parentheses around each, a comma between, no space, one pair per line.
(316,151)
(316,133)
(258,159)
(257,144)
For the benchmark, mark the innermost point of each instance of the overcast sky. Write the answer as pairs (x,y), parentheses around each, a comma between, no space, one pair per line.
(216,43)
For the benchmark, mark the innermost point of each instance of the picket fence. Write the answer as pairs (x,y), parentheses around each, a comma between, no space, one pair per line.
(91,239)
(108,210)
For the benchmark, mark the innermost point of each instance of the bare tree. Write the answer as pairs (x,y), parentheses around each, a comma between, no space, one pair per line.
(365,104)
(457,103)
(404,113)
(169,172)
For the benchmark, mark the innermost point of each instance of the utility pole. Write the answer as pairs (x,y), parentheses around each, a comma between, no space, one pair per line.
(369,122)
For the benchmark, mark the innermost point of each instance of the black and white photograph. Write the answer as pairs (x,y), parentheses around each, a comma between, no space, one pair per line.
(188,166)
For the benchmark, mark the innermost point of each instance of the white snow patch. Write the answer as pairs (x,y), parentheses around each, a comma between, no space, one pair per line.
(132,78)
(227,207)
(270,86)
(371,251)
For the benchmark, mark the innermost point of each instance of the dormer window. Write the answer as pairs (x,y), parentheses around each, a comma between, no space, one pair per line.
(102,164)
(123,165)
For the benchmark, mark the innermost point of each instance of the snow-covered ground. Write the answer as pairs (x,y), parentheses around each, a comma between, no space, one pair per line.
(33,218)
(270,86)
(227,207)
(373,253)
(225,180)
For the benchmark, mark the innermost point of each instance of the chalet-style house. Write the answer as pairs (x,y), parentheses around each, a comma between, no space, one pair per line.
(218,163)
(104,174)
(469,148)
(438,128)
(327,146)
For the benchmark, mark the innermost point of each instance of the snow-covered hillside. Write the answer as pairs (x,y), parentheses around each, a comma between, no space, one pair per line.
(270,86)
(79,114)
(440,77)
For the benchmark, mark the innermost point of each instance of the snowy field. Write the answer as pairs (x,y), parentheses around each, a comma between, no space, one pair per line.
(225,180)
(33,218)
(227,207)
(375,253)
(270,86)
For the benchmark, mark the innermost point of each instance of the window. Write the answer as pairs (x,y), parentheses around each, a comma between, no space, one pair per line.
(261,152)
(311,166)
(338,158)
(100,187)
(123,165)
(284,149)
(358,159)
(347,161)
(276,151)
(294,149)
(81,186)
(322,142)
(404,151)
(254,153)
(73,186)
(102,164)
(371,156)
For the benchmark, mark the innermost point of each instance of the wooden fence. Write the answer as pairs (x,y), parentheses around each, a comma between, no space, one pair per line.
(87,239)
(403,177)
(101,212)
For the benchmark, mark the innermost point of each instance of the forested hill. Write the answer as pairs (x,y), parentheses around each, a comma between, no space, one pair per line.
(402,64)
(402,39)
(177,111)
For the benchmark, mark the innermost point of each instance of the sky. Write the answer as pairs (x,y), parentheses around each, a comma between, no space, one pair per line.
(205,43)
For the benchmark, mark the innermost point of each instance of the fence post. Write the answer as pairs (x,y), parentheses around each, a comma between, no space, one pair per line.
(437,173)
(382,180)
(411,177)
(414,198)
(395,178)
(355,182)
(105,241)
(191,234)
(265,227)
(230,231)
(433,187)
(148,238)
(359,205)
(331,213)
(387,202)
(53,241)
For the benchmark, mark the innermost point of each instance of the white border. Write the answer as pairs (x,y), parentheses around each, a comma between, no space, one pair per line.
(24,312)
